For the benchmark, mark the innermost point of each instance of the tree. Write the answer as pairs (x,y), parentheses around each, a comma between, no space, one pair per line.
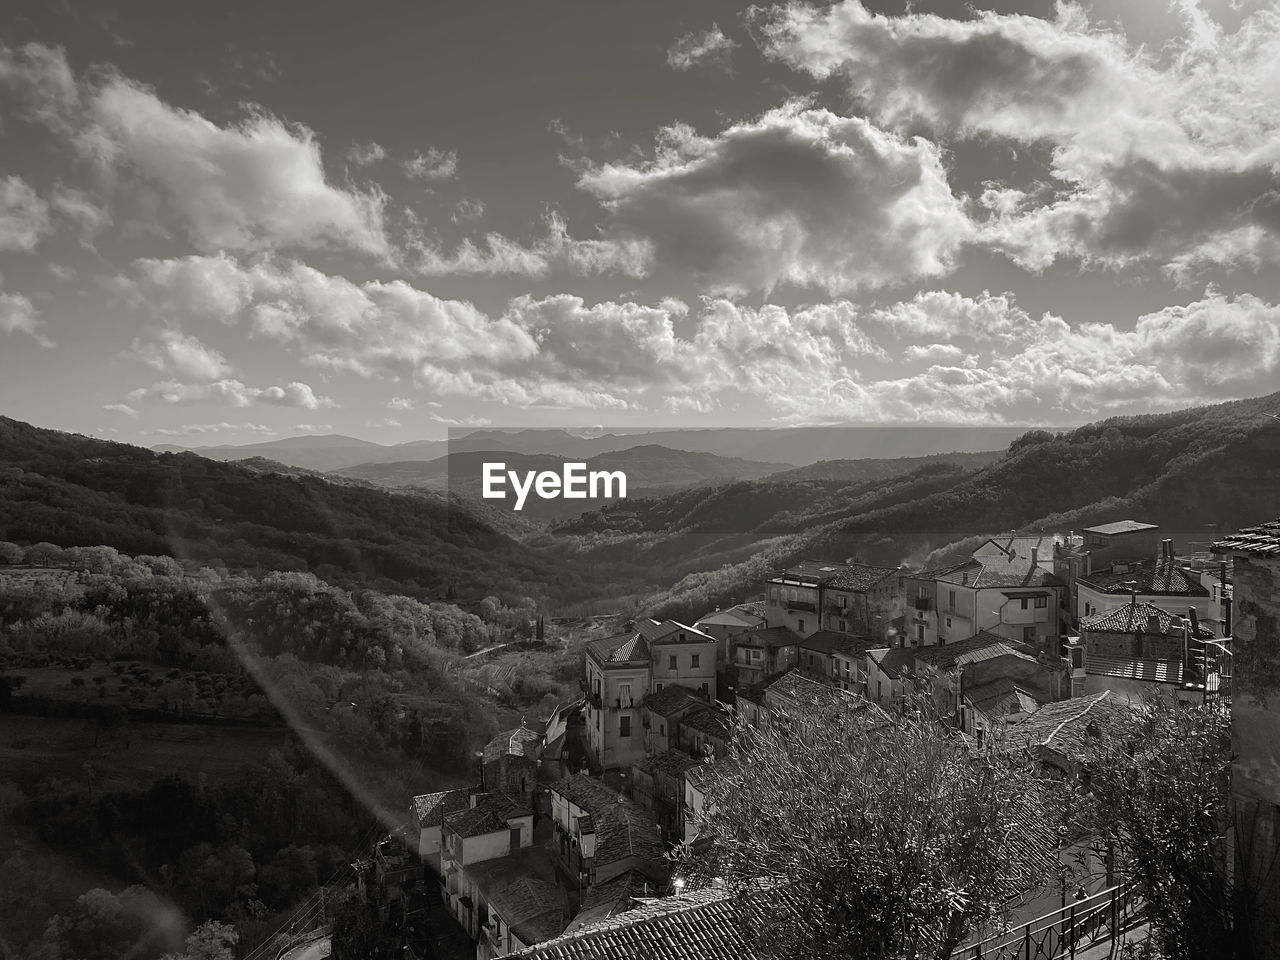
(358,933)
(888,837)
(211,940)
(1160,800)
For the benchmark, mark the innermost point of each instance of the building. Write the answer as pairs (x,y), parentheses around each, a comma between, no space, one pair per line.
(834,657)
(1137,645)
(523,910)
(662,711)
(1160,581)
(510,762)
(492,828)
(1255,723)
(1011,596)
(729,624)
(600,834)
(705,730)
(428,812)
(699,780)
(621,671)
(1120,540)
(657,785)
(763,654)
(1039,546)
(1063,735)
(845,597)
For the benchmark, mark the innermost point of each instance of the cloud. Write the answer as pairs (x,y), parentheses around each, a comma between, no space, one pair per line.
(19,315)
(933,352)
(196,429)
(81,210)
(1166,156)
(314,427)
(497,255)
(800,196)
(233,393)
(467,209)
(42,83)
(176,353)
(462,421)
(942,315)
(24,217)
(431,164)
(399,403)
(123,408)
(364,154)
(692,49)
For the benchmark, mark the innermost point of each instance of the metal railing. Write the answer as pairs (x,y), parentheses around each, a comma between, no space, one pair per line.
(1094,920)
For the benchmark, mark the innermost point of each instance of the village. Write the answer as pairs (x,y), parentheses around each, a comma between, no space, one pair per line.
(1038,643)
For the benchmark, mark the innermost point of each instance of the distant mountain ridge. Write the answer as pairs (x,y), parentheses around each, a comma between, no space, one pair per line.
(795,446)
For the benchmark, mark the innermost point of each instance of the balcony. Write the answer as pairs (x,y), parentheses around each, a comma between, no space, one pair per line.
(922,603)
(595,700)
(802,605)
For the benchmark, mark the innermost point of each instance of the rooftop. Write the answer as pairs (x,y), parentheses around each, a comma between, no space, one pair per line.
(1068,727)
(1119,527)
(1150,577)
(981,646)
(860,576)
(671,699)
(522,889)
(829,641)
(429,809)
(810,572)
(773,637)
(623,828)
(671,762)
(710,720)
(520,742)
(670,631)
(623,648)
(1135,668)
(1016,545)
(795,690)
(1260,541)
(490,815)
(1135,617)
(998,570)
(699,925)
(617,895)
(740,616)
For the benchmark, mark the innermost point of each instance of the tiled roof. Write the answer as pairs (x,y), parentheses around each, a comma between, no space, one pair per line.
(623,828)
(429,809)
(1132,668)
(734,617)
(893,661)
(628,648)
(614,896)
(520,742)
(701,925)
(1150,577)
(860,576)
(981,646)
(1120,526)
(827,641)
(1068,727)
(1021,545)
(702,774)
(535,910)
(671,699)
(654,631)
(490,815)
(773,637)
(817,571)
(1133,618)
(709,720)
(1260,541)
(671,762)
(999,571)
(795,690)
(606,649)
(1003,696)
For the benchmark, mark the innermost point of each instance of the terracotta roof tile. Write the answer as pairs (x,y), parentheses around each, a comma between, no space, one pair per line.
(671,699)
(429,809)
(623,828)
(1260,541)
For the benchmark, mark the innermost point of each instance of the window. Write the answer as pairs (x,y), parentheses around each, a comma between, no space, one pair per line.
(624,726)
(948,622)
(624,694)
(671,662)
(757,654)
(1042,603)
(800,625)
(951,599)
(657,687)
(662,728)
(1028,633)
(702,688)
(844,626)
(1023,601)
(696,658)
(842,601)
(920,632)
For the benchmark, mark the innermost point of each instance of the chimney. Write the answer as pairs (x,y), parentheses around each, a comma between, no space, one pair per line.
(1035,558)
(1153,625)
(1195,621)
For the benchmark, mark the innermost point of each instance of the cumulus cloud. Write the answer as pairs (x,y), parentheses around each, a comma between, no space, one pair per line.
(399,403)
(83,211)
(800,196)
(364,154)
(24,217)
(431,164)
(19,315)
(314,427)
(1163,156)
(176,353)
(692,49)
(933,352)
(41,82)
(233,393)
(122,408)
(462,421)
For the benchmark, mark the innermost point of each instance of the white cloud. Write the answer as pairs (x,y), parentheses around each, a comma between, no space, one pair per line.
(122,408)
(42,83)
(176,353)
(431,164)
(1156,155)
(233,393)
(364,154)
(82,210)
(941,315)
(709,46)
(19,315)
(314,427)
(462,421)
(399,403)
(933,352)
(24,217)
(467,209)
(799,196)
(197,429)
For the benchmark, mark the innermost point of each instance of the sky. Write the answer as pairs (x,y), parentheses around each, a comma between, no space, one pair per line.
(241,222)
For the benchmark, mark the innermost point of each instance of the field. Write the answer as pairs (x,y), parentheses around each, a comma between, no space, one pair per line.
(37,748)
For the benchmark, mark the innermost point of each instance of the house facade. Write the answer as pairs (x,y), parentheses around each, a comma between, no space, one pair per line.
(763,654)
(600,834)
(492,828)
